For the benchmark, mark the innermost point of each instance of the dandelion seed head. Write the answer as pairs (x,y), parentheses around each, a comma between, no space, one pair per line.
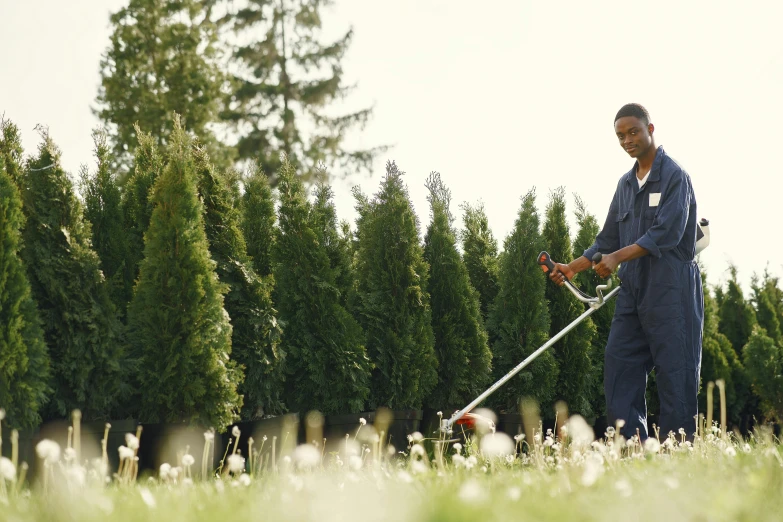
(236,463)
(519,437)
(164,471)
(307,456)
(730,451)
(746,448)
(244,479)
(362,421)
(457,447)
(651,445)
(48,450)
(125,452)
(404,476)
(581,433)
(471,492)
(148,498)
(264,438)
(7,469)
(209,436)
(188,460)
(418,467)
(497,444)
(76,475)
(132,441)
(458,461)
(514,493)
(417,450)
(69,454)
(417,437)
(235,431)
(355,462)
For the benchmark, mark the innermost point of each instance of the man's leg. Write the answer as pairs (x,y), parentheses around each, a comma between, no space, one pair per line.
(627,363)
(674,327)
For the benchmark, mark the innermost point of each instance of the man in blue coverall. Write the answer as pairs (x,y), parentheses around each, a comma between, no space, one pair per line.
(650,232)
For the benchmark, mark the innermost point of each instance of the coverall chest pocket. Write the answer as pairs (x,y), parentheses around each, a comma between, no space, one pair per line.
(648,218)
(624,227)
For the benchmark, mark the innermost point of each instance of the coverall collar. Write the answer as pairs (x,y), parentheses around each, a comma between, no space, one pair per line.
(655,170)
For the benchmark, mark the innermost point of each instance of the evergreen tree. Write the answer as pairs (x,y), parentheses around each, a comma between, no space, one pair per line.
(161,60)
(737,316)
(179,330)
(461,344)
(327,365)
(336,239)
(572,352)
(137,204)
(392,299)
(81,327)
(258,221)
(255,332)
(764,362)
(24,360)
(480,255)
(765,295)
(11,151)
(588,280)
(286,82)
(102,208)
(520,317)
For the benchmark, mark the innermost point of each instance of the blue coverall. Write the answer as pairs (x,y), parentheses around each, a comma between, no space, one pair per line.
(659,312)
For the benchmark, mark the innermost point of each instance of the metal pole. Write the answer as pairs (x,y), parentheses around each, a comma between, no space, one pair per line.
(448,423)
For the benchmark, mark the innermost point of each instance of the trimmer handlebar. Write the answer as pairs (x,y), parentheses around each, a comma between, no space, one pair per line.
(547,265)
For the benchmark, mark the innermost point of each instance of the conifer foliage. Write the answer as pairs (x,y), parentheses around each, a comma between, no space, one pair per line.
(573,350)
(464,359)
(81,327)
(180,333)
(393,303)
(519,317)
(255,332)
(327,365)
(24,359)
(480,255)
(258,220)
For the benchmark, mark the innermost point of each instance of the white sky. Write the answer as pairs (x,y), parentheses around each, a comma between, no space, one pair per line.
(499,99)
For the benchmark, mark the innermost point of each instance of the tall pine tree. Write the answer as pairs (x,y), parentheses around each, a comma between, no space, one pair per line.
(392,299)
(519,317)
(461,345)
(24,359)
(480,254)
(573,350)
(103,209)
(11,151)
(81,326)
(255,339)
(765,297)
(763,360)
(258,221)
(161,60)
(737,316)
(286,83)
(327,364)
(179,331)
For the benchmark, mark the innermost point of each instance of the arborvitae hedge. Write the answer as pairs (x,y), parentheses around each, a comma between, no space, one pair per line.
(11,151)
(480,255)
(102,208)
(327,366)
(392,299)
(24,359)
(179,331)
(464,359)
(572,352)
(258,221)
(80,322)
(763,360)
(255,335)
(519,318)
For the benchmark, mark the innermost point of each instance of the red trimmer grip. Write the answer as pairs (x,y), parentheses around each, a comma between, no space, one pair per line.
(546,262)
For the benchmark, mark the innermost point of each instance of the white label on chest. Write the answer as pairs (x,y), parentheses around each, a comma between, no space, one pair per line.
(655,198)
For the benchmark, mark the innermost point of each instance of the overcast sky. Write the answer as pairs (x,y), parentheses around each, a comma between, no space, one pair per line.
(499,99)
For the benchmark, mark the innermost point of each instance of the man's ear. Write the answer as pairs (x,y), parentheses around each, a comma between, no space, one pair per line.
(650,128)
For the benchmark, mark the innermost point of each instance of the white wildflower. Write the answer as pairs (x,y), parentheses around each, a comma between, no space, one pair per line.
(362,421)
(746,448)
(132,441)
(549,441)
(519,437)
(69,454)
(497,444)
(417,450)
(209,436)
(236,463)
(148,498)
(620,423)
(418,466)
(582,435)
(509,459)
(730,451)
(651,445)
(404,476)
(537,438)
(457,447)
(471,461)
(48,450)
(417,437)
(458,461)
(77,475)
(187,481)
(164,471)
(174,473)
(125,453)
(623,487)
(188,460)
(264,438)
(235,431)
(244,479)
(7,469)
(355,462)
(306,456)
(471,492)
(593,468)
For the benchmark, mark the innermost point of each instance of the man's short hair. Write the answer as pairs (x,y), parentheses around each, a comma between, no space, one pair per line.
(635,110)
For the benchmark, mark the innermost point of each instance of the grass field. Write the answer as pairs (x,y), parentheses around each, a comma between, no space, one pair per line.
(489,476)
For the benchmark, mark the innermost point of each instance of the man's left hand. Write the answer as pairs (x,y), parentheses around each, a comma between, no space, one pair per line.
(607,265)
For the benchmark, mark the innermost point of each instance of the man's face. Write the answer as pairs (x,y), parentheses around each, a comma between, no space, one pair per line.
(635,137)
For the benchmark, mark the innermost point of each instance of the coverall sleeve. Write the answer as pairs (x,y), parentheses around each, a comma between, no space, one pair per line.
(672,217)
(608,239)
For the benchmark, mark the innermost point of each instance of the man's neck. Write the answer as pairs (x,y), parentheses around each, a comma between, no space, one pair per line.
(644,163)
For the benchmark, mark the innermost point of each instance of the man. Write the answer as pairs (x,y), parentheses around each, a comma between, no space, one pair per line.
(650,232)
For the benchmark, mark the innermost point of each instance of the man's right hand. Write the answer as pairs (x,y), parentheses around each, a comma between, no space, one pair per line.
(561,273)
